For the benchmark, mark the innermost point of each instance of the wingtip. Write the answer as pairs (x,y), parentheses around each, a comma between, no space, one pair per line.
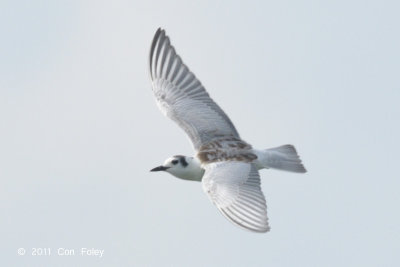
(264,231)
(159,30)
(159,33)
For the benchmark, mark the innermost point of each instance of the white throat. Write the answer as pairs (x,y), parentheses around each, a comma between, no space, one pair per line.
(193,171)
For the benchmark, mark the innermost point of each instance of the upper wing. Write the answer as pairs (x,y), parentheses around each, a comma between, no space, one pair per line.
(181,96)
(234,187)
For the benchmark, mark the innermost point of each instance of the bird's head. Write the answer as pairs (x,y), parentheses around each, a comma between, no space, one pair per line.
(183,167)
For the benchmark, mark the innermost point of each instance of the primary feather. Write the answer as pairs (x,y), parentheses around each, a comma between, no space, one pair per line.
(181,96)
(234,187)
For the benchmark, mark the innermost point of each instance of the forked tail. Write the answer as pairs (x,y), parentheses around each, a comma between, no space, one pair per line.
(282,158)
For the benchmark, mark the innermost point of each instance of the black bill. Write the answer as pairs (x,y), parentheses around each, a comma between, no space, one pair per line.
(159,168)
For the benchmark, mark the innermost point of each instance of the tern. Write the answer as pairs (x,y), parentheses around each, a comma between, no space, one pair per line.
(226,166)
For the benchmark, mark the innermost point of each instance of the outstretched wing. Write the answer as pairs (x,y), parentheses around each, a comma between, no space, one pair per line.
(181,96)
(234,187)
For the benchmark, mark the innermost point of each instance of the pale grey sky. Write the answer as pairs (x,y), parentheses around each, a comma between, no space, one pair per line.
(79,131)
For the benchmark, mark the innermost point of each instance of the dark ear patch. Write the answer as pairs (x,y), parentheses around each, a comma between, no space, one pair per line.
(183,161)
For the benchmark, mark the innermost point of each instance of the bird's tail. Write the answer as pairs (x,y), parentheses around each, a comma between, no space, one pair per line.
(282,158)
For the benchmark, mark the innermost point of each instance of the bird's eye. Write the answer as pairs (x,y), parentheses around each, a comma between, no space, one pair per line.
(174,162)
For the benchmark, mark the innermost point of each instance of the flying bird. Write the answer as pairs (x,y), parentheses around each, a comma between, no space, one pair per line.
(227,167)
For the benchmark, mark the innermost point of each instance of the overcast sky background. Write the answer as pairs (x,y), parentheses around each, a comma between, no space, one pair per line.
(80,130)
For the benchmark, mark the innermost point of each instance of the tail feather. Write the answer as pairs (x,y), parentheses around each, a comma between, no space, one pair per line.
(282,158)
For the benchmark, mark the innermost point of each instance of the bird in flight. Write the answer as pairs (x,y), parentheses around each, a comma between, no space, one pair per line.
(226,166)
